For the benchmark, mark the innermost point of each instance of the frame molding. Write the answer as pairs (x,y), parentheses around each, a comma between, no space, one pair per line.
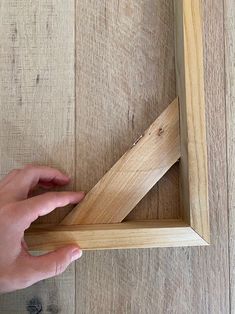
(193,229)
(190,89)
(141,234)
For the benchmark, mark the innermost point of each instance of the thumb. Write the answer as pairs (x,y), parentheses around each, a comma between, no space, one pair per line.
(54,263)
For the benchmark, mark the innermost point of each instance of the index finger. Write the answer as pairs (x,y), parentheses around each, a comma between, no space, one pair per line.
(29,210)
(26,179)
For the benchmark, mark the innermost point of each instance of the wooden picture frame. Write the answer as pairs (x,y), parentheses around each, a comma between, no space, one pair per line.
(177,133)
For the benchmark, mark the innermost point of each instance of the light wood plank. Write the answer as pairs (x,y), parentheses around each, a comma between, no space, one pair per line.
(190,88)
(135,173)
(124,81)
(196,279)
(115,236)
(37,117)
(37,87)
(229,14)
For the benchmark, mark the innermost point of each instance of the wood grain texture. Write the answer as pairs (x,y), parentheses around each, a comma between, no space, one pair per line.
(229,15)
(167,206)
(55,295)
(190,88)
(177,280)
(124,80)
(37,117)
(134,174)
(145,234)
(37,87)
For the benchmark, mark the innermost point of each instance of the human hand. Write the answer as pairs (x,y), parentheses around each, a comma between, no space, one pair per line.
(19,269)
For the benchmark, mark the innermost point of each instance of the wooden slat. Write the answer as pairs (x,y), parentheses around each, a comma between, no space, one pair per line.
(37,118)
(37,87)
(115,236)
(229,7)
(190,88)
(126,183)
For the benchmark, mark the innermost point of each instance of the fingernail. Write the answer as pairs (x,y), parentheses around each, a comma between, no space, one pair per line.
(76,254)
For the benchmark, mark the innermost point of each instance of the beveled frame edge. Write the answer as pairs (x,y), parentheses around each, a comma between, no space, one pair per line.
(190,89)
(194,229)
(126,235)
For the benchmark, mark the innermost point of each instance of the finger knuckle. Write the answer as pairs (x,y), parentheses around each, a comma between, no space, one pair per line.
(29,170)
(59,268)
(51,198)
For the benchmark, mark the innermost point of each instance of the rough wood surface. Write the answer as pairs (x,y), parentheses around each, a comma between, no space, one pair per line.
(134,174)
(229,14)
(190,88)
(142,234)
(37,117)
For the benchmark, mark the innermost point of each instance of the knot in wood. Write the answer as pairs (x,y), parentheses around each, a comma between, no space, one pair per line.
(160,131)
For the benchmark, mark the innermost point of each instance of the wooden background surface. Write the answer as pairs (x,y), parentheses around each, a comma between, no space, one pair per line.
(124,78)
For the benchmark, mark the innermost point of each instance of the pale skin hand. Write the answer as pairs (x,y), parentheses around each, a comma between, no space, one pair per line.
(19,269)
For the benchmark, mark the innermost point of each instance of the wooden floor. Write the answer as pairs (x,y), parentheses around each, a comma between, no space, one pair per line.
(80,109)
